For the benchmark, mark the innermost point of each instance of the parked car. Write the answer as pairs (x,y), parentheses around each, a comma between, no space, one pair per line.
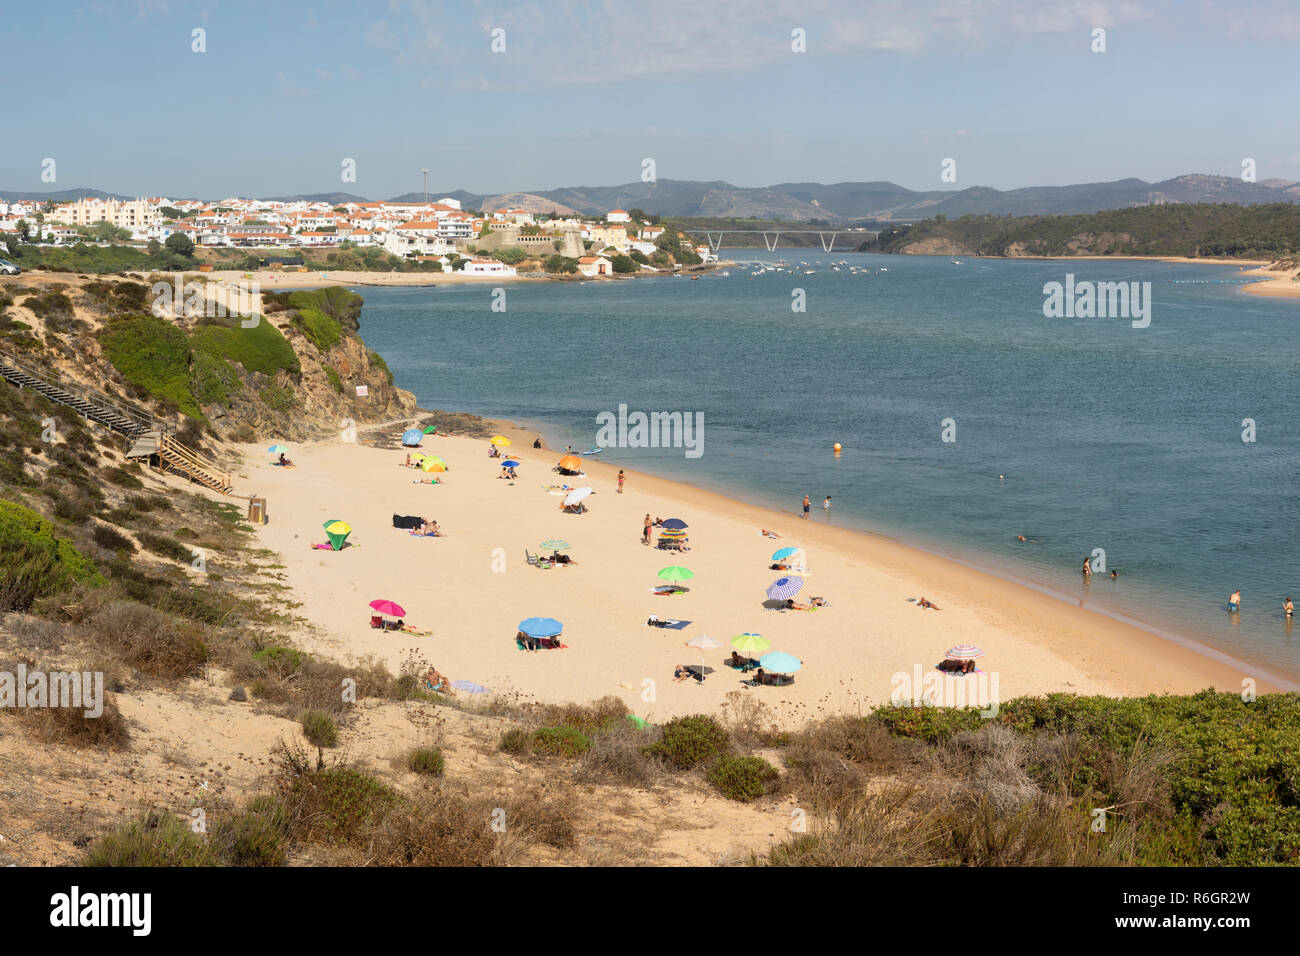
(7,268)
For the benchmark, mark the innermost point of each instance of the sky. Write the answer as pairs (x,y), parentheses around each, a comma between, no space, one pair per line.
(281,95)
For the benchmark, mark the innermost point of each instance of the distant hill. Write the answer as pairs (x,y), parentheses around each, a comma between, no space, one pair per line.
(841,203)
(62,195)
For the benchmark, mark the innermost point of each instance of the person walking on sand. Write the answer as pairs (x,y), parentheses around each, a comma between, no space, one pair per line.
(1234,600)
(620,481)
(645,533)
(807,504)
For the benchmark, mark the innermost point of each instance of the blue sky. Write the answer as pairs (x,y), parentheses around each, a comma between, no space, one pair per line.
(586,90)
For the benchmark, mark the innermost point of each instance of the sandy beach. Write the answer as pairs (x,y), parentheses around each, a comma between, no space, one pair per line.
(473,586)
(1284,284)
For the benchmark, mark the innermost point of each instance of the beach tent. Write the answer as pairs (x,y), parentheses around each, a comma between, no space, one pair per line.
(412,437)
(433,463)
(337,531)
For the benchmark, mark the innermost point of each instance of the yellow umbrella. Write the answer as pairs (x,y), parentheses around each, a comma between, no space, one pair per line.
(500,440)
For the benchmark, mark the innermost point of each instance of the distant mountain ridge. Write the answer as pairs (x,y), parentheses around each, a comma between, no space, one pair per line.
(836,202)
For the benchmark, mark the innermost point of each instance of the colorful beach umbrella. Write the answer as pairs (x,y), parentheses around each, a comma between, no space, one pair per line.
(749,642)
(500,440)
(779,662)
(433,463)
(963,652)
(704,643)
(277,450)
(785,588)
(412,437)
(391,608)
(675,524)
(337,531)
(541,627)
(575,497)
(675,573)
(570,463)
(555,544)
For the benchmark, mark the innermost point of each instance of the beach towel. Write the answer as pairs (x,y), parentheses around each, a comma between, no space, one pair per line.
(409,522)
(669,625)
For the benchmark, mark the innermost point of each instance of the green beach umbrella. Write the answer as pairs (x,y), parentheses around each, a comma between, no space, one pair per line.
(750,642)
(554,544)
(675,573)
(430,429)
(337,531)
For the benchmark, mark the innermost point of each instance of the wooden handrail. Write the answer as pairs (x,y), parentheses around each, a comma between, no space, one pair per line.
(168,446)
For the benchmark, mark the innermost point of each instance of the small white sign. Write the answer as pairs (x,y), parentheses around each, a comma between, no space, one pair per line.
(363,391)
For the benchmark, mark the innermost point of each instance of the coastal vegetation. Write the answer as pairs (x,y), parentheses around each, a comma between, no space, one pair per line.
(1197,230)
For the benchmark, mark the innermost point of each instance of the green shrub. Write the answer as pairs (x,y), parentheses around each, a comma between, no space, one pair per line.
(155,839)
(515,741)
(279,398)
(425,760)
(319,728)
(109,537)
(34,562)
(166,547)
(689,741)
(124,478)
(338,804)
(258,348)
(280,658)
(154,355)
(256,837)
(742,778)
(560,742)
(378,362)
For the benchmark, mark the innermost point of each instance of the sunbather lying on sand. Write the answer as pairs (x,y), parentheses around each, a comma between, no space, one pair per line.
(922,602)
(768,534)
(956,667)
(792,605)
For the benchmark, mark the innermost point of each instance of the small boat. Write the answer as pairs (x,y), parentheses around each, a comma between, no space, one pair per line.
(593,451)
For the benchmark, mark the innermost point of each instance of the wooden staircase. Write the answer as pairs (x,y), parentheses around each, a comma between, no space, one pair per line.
(151,440)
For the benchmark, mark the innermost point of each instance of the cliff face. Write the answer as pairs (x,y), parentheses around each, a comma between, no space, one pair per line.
(292,375)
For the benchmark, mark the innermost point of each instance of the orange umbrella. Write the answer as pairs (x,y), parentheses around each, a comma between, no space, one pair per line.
(570,462)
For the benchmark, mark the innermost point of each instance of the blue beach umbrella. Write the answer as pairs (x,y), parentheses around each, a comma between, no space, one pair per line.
(277,449)
(541,627)
(412,437)
(779,662)
(784,588)
(675,524)
(510,463)
(783,553)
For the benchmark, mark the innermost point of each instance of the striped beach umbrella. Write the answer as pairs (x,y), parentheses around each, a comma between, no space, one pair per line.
(784,588)
(779,662)
(749,643)
(963,652)
(555,544)
(337,531)
(675,573)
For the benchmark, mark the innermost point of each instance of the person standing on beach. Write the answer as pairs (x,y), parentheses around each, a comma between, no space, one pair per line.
(1234,600)
(645,534)
(620,481)
(807,504)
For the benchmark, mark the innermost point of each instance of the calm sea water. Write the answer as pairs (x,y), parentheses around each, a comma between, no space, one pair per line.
(1128,440)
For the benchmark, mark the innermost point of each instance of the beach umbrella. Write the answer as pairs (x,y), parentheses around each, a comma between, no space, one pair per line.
(554,544)
(412,437)
(576,496)
(782,553)
(675,573)
(500,440)
(510,463)
(391,608)
(469,687)
(784,588)
(570,463)
(419,456)
(337,531)
(704,643)
(675,524)
(277,450)
(749,642)
(541,627)
(433,463)
(779,662)
(963,652)
(430,429)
